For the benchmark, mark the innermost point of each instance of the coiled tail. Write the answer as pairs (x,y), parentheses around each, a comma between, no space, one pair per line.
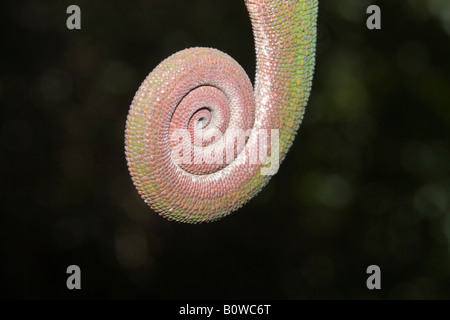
(199,141)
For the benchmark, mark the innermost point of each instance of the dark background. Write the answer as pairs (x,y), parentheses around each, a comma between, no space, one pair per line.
(367,180)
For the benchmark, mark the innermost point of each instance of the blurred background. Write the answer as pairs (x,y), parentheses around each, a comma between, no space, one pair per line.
(367,180)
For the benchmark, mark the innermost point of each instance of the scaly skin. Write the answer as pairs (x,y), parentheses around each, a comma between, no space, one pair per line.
(205,88)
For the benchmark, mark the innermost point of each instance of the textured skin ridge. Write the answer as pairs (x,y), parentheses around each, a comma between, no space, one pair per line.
(204,87)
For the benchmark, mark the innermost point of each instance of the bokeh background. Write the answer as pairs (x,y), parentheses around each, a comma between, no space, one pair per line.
(367,180)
